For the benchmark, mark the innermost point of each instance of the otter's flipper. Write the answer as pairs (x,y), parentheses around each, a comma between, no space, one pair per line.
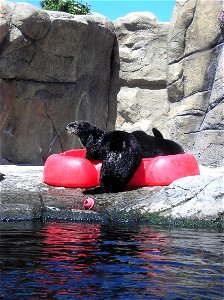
(157,133)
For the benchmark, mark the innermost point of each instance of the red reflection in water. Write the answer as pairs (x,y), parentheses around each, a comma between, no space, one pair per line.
(67,255)
(68,242)
(153,249)
(70,252)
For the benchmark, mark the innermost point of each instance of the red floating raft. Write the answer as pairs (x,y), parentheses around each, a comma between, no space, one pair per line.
(72,169)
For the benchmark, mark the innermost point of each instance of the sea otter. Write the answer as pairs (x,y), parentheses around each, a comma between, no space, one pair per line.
(120,152)
(152,146)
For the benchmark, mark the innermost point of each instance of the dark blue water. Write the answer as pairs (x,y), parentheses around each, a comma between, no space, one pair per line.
(92,261)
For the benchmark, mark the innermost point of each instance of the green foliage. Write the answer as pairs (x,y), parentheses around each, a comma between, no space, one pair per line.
(69,6)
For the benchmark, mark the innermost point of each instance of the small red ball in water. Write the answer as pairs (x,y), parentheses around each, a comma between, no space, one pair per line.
(88,203)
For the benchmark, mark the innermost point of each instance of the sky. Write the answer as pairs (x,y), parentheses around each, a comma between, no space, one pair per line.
(114,9)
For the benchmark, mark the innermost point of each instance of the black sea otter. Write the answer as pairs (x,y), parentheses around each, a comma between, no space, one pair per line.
(120,152)
(152,146)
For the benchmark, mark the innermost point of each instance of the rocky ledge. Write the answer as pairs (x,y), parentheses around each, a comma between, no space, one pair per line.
(190,200)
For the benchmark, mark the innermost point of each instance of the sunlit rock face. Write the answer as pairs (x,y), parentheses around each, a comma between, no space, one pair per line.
(195,79)
(139,79)
(170,76)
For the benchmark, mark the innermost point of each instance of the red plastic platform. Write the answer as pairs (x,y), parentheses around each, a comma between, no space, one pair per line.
(71,169)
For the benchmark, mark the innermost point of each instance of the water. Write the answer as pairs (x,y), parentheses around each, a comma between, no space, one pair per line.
(92,261)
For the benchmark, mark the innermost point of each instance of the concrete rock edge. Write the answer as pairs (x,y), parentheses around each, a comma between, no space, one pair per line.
(25,197)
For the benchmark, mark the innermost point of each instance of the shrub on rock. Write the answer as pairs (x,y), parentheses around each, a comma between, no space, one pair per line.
(69,6)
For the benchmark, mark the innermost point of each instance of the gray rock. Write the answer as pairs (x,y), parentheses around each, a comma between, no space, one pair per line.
(24,196)
(54,69)
(31,21)
(195,79)
(45,109)
(139,79)
(197,197)
(50,47)
(140,108)
(5,17)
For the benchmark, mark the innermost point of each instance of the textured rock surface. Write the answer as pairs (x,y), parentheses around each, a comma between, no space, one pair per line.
(199,197)
(139,79)
(25,197)
(54,68)
(195,79)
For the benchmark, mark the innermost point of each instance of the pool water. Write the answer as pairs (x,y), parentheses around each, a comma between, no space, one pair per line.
(91,261)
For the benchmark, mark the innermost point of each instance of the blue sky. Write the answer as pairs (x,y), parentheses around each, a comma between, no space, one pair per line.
(114,9)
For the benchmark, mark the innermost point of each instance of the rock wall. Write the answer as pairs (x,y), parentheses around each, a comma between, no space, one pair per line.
(139,78)
(54,69)
(195,79)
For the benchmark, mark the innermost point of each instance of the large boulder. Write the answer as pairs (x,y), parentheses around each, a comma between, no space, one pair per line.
(54,68)
(139,75)
(195,79)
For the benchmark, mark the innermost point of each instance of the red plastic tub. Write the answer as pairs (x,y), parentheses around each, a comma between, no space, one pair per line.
(71,169)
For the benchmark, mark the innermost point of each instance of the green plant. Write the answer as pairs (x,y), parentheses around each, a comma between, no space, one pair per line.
(69,6)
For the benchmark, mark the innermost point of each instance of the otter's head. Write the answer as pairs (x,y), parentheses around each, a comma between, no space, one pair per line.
(79,128)
(82,129)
